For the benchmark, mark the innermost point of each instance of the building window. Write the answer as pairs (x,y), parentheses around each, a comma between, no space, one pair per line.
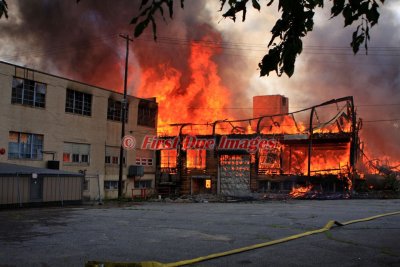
(112,185)
(75,158)
(78,103)
(143,184)
(25,146)
(168,158)
(196,159)
(112,155)
(85,158)
(147,113)
(66,157)
(76,153)
(269,161)
(28,92)
(114,110)
(144,161)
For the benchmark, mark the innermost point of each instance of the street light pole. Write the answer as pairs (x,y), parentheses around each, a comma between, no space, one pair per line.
(123,117)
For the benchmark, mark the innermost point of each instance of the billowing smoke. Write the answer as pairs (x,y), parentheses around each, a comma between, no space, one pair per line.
(328,69)
(80,41)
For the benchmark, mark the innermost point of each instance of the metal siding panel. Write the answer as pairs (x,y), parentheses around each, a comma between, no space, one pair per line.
(63,186)
(6,186)
(2,191)
(78,189)
(74,188)
(9,188)
(54,188)
(58,192)
(14,192)
(45,189)
(49,189)
(66,188)
(25,182)
(70,188)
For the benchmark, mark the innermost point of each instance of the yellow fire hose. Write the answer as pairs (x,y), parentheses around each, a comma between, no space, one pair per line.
(327,227)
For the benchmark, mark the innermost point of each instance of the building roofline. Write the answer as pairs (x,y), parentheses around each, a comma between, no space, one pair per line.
(11,169)
(71,80)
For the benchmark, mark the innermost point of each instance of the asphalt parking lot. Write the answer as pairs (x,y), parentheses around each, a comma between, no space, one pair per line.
(169,232)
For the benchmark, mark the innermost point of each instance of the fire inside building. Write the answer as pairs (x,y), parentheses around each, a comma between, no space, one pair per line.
(316,147)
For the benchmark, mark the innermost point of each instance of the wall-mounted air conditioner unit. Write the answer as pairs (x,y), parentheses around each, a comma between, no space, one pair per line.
(53,164)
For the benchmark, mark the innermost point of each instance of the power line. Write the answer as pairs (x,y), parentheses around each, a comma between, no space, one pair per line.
(253,47)
(373,121)
(252,108)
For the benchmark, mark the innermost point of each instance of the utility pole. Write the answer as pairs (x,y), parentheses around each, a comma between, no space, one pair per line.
(123,117)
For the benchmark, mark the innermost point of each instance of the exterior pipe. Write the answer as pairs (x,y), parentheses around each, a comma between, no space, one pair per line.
(310,143)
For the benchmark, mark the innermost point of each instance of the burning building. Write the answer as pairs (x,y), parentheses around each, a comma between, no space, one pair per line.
(276,150)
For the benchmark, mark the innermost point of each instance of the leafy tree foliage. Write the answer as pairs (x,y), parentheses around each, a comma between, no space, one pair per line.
(297,19)
(3,8)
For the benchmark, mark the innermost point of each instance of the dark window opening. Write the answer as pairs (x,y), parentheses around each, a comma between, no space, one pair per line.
(114,110)
(78,103)
(147,113)
(28,92)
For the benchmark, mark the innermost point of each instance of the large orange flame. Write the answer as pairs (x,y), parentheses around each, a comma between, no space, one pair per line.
(201,101)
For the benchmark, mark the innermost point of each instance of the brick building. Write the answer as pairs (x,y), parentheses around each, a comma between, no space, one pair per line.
(53,122)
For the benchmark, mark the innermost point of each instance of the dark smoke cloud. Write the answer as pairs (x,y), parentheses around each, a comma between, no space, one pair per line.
(80,41)
(373,79)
